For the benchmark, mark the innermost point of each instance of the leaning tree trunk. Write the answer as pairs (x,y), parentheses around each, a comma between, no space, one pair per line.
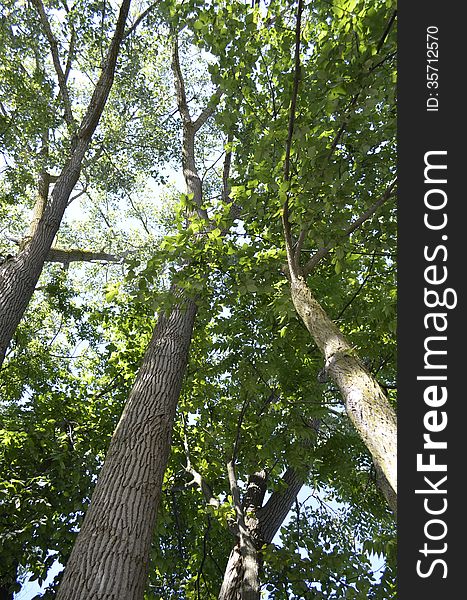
(19,275)
(365,402)
(260,525)
(111,554)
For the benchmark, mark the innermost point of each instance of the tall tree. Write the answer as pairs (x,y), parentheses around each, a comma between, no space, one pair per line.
(237,273)
(118,527)
(301,162)
(19,274)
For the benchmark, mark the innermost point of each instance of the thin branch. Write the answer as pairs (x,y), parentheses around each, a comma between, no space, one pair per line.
(138,20)
(203,559)
(128,195)
(386,31)
(211,166)
(321,253)
(360,288)
(226,171)
(239,427)
(197,477)
(288,146)
(341,130)
(53,45)
(208,111)
(180,85)
(71,52)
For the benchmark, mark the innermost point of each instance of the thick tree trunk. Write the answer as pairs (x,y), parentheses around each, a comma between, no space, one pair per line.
(242,573)
(241,577)
(8,578)
(110,558)
(19,275)
(365,402)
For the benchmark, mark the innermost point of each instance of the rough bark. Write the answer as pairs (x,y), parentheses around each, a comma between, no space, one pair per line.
(273,514)
(110,558)
(19,275)
(365,402)
(241,576)
(242,573)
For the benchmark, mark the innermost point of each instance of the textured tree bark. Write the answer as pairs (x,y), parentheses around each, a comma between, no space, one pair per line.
(110,558)
(242,573)
(365,402)
(19,275)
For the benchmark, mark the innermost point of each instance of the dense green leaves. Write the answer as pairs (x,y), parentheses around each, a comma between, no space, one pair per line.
(255,385)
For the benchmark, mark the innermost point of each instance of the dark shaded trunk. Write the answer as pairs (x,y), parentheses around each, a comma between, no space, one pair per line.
(111,555)
(8,578)
(242,573)
(19,275)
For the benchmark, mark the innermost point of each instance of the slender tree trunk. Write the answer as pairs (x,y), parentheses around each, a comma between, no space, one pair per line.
(19,275)
(365,402)
(110,558)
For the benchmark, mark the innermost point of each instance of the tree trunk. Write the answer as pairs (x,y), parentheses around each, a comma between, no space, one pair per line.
(8,578)
(241,577)
(242,573)
(110,558)
(19,275)
(365,402)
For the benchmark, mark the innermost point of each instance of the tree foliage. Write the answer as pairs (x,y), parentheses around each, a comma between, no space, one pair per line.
(256,393)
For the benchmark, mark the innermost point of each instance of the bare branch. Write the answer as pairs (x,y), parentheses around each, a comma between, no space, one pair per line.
(321,253)
(138,20)
(53,45)
(67,256)
(180,85)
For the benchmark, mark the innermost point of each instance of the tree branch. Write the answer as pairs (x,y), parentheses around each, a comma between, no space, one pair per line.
(226,170)
(180,85)
(197,477)
(67,256)
(53,45)
(104,84)
(288,146)
(386,31)
(208,111)
(321,253)
(273,513)
(138,20)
